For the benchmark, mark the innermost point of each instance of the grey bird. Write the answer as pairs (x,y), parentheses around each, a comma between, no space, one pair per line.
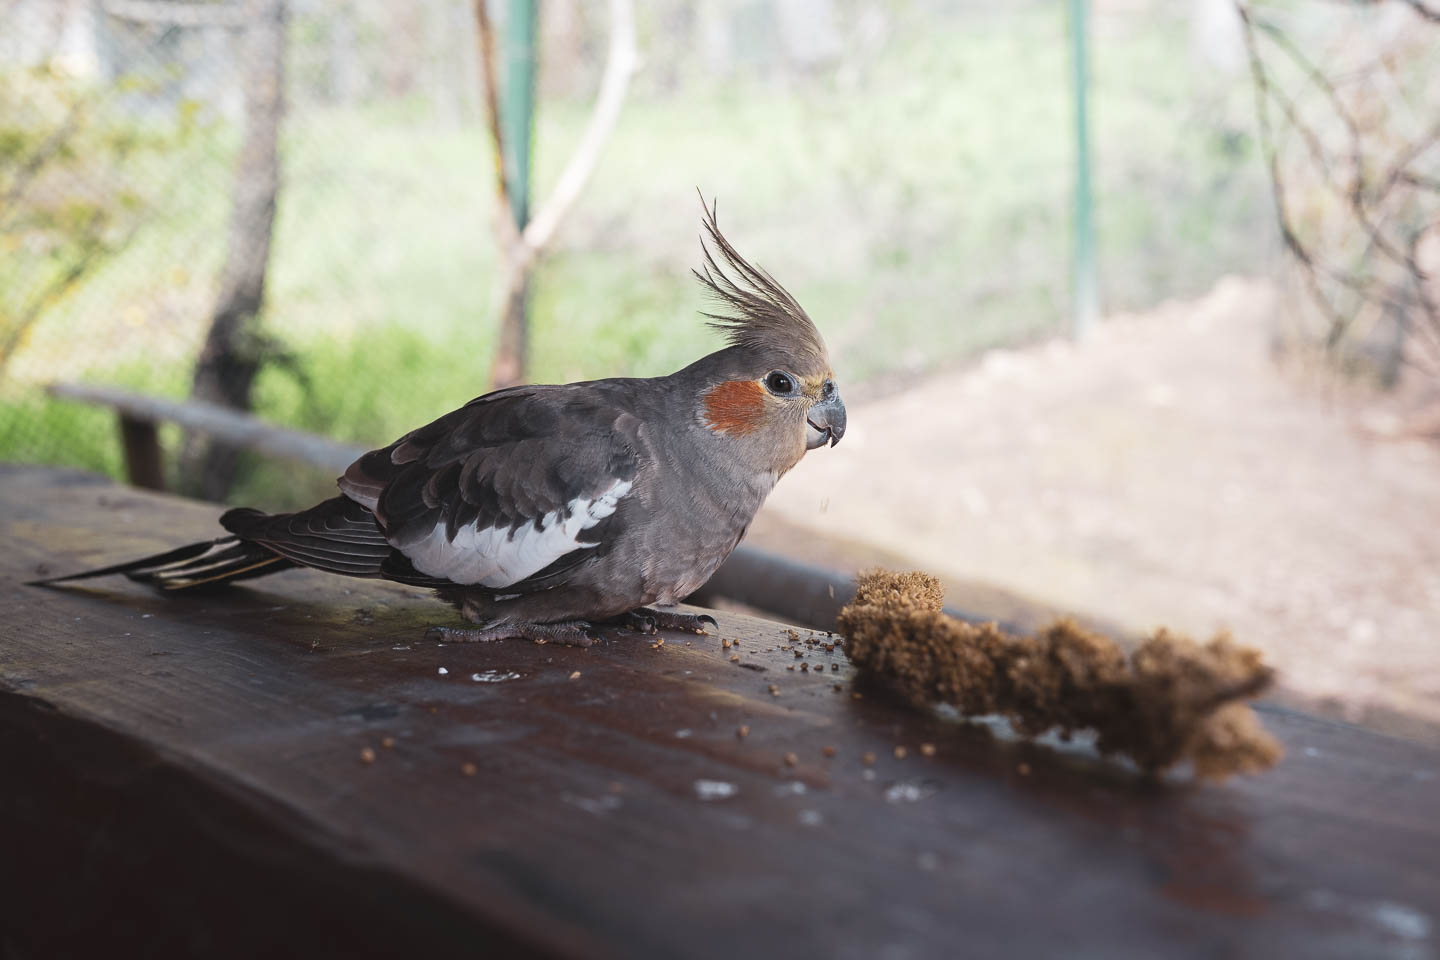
(542,512)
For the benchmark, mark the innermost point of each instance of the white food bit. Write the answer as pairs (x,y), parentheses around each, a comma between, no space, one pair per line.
(494,676)
(810,818)
(715,789)
(442,671)
(908,791)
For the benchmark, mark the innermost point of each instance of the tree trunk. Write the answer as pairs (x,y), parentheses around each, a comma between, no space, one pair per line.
(512,348)
(232,354)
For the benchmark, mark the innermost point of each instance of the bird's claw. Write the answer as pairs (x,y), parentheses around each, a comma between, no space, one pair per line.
(645,620)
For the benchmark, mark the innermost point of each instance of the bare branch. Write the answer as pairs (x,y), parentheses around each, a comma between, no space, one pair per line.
(1339,293)
(521,250)
(620,65)
(509,231)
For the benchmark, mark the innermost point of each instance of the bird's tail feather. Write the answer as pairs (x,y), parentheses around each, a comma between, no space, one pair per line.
(209,562)
(338,535)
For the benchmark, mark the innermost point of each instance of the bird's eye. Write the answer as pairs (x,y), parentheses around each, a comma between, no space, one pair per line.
(781,383)
(827,389)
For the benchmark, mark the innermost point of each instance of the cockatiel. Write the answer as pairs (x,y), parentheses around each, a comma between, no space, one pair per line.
(543,511)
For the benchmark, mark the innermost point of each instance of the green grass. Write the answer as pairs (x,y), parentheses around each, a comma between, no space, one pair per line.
(918,207)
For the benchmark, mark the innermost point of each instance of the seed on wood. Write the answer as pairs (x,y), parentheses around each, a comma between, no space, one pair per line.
(1023,769)
(774,690)
(575,675)
(837,688)
(868,759)
(387,742)
(900,753)
(791,760)
(790,667)
(804,668)
(469,769)
(928,749)
(725,643)
(828,751)
(858,696)
(742,731)
(367,755)
(735,658)
(834,666)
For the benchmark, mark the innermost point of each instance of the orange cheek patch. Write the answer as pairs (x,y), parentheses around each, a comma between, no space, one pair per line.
(735,406)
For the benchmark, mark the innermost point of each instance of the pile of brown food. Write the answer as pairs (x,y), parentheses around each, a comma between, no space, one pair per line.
(1170,700)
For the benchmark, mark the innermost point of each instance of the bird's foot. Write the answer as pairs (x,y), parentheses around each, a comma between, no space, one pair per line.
(647,620)
(569,633)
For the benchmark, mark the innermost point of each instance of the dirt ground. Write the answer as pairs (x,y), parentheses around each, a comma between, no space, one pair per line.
(1167,472)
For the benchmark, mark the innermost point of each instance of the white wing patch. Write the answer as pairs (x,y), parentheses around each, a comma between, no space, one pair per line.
(498,557)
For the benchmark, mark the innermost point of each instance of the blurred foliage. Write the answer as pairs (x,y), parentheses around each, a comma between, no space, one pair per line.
(913,193)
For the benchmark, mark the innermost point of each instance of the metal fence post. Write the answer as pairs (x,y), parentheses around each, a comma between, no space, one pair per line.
(1086,290)
(517,111)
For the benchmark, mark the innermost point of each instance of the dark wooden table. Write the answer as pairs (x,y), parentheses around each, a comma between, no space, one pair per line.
(188,776)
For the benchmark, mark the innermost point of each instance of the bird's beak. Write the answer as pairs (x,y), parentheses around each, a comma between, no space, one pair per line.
(825,421)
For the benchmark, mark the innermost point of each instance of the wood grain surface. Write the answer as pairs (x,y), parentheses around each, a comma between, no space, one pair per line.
(188,775)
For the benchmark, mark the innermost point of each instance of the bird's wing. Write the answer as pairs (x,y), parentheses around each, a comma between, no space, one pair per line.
(511,492)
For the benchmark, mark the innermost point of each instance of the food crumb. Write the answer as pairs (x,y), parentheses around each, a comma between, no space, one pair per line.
(367,755)
(791,760)
(442,671)
(469,769)
(900,753)
(868,758)
(829,751)
(387,742)
(928,749)
(734,658)
(804,668)
(742,731)
(774,690)
(725,643)
(575,675)
(1023,769)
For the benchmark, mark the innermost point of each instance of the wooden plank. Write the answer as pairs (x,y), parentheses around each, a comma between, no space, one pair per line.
(168,744)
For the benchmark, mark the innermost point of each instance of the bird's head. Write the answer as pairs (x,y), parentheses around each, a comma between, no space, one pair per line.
(772,391)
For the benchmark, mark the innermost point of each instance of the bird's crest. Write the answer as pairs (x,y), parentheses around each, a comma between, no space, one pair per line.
(757,313)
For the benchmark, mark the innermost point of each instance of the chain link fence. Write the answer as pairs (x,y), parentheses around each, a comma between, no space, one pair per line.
(905,168)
